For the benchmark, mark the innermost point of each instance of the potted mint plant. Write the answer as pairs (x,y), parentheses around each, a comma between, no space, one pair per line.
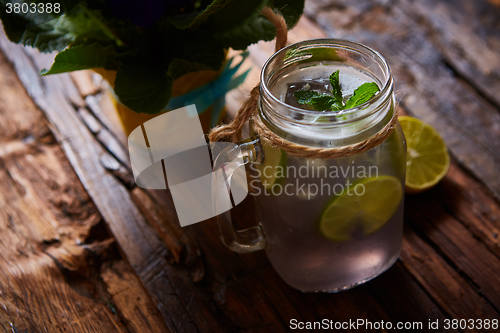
(157,55)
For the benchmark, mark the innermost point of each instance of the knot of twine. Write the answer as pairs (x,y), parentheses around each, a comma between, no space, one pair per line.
(249,110)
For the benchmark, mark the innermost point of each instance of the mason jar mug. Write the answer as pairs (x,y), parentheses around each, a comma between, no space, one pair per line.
(326,222)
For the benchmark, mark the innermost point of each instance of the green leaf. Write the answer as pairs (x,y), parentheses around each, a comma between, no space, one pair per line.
(305,96)
(362,94)
(291,10)
(323,102)
(83,25)
(179,67)
(82,57)
(142,88)
(336,88)
(196,18)
(317,100)
(32,30)
(50,32)
(240,23)
(195,57)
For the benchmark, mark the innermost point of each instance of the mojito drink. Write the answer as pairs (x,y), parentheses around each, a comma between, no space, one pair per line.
(329,223)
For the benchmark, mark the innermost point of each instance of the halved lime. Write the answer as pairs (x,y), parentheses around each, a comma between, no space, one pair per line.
(427,158)
(273,169)
(367,204)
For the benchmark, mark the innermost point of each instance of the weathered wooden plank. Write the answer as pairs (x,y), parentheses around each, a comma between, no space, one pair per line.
(427,215)
(123,286)
(424,82)
(143,249)
(413,301)
(452,292)
(103,109)
(51,233)
(374,301)
(470,203)
(85,83)
(466,34)
(158,218)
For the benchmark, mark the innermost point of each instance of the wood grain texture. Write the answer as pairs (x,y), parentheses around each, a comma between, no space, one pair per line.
(172,289)
(447,286)
(139,311)
(53,238)
(467,37)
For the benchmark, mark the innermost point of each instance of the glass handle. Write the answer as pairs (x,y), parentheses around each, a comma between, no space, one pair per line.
(248,239)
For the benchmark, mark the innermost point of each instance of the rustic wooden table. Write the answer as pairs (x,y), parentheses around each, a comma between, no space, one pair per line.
(85,250)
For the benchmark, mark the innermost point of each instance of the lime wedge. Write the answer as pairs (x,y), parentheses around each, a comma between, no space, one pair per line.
(273,169)
(427,158)
(367,205)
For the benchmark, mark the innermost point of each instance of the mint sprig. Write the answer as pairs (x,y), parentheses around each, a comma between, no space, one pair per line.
(317,100)
(362,94)
(335,101)
(336,88)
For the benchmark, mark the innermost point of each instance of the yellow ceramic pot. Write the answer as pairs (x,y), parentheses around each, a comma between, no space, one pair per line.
(184,84)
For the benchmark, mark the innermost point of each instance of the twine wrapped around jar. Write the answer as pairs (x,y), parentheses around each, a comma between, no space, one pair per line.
(249,111)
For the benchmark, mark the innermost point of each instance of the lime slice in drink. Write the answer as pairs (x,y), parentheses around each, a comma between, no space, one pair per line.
(427,158)
(273,169)
(367,204)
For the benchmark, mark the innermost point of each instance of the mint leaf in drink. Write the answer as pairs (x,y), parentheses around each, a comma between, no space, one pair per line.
(362,94)
(336,88)
(324,103)
(319,101)
(304,96)
(334,102)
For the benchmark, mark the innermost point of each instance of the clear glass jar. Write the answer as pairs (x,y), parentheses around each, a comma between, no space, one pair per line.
(328,223)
